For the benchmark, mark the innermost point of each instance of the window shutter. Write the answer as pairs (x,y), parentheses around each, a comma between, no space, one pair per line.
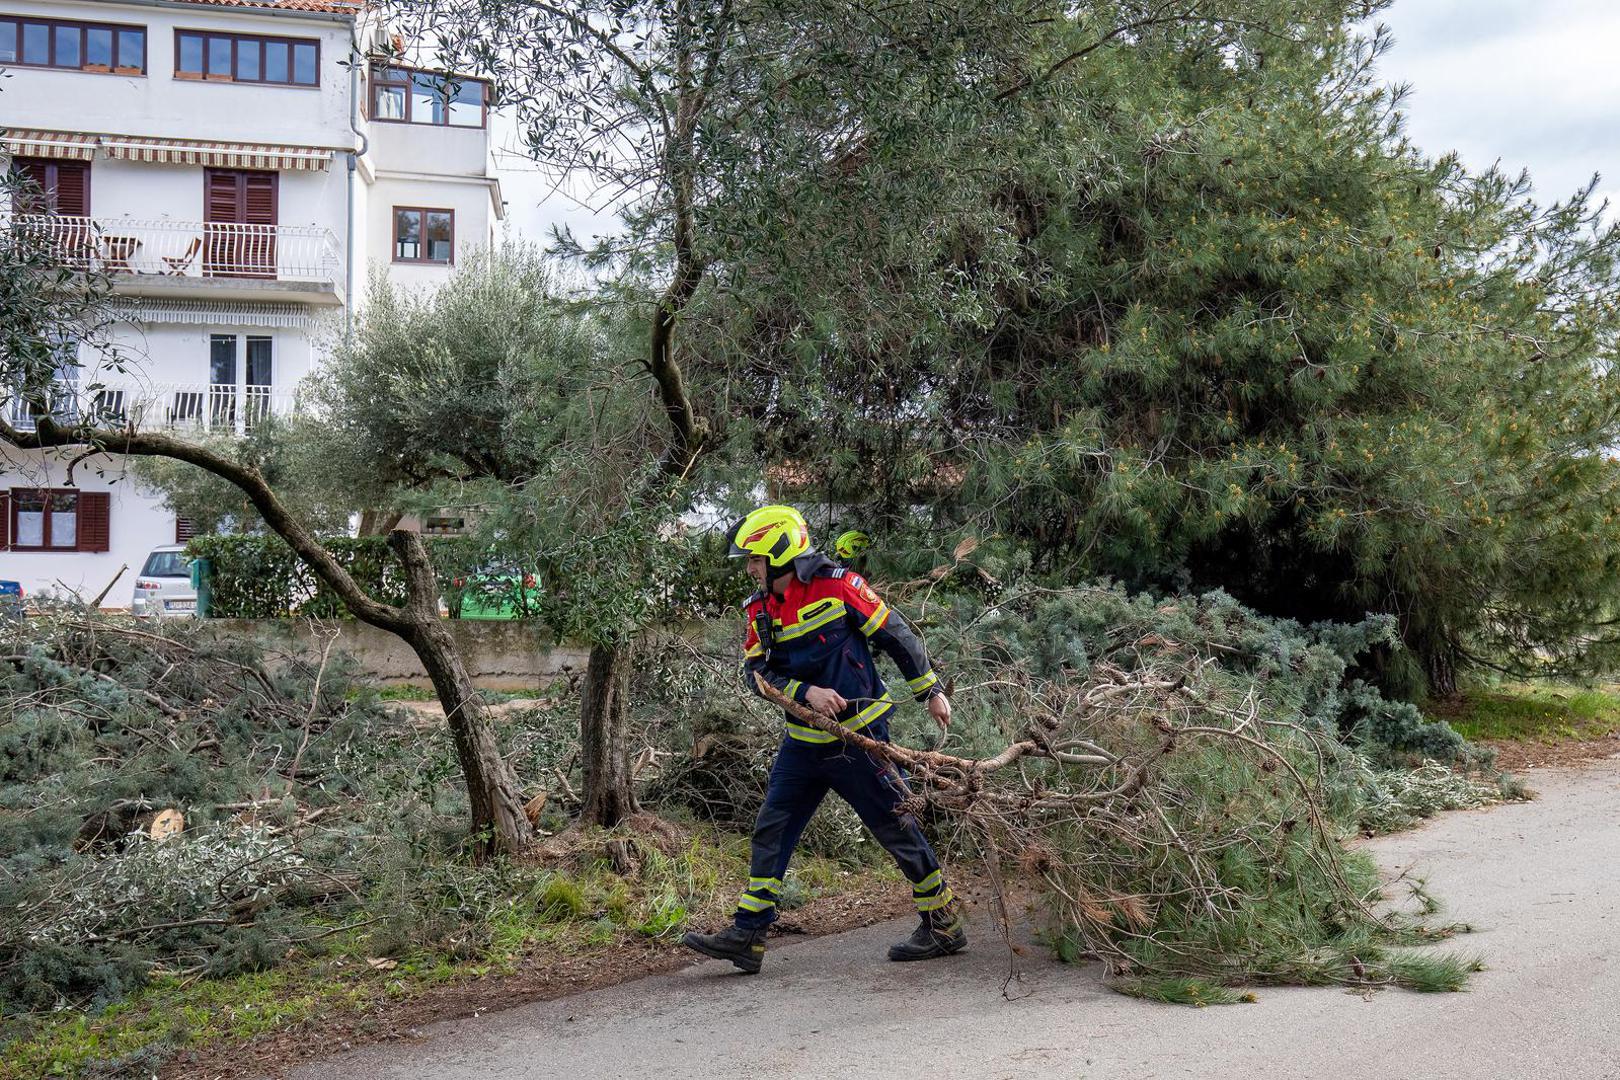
(95,517)
(73,189)
(36,172)
(259,198)
(220,202)
(5,521)
(184,530)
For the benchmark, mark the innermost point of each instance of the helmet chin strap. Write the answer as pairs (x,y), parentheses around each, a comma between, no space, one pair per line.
(774,573)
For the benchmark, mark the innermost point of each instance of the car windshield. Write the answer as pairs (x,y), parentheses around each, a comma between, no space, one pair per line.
(167,564)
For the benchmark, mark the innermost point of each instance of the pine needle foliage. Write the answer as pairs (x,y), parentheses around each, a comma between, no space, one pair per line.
(1178,777)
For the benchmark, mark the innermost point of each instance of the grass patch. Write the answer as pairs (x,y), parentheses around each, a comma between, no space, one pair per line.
(1538,713)
(137,1034)
(397,692)
(523,910)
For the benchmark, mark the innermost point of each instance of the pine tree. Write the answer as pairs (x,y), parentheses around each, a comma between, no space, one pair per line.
(1209,318)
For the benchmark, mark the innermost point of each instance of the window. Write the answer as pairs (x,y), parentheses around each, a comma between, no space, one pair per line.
(73,46)
(60,400)
(256,392)
(107,407)
(424,236)
(246,58)
(63,187)
(58,519)
(168,563)
(425,97)
(239,215)
(230,401)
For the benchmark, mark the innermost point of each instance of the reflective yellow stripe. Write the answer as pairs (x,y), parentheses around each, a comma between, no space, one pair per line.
(792,689)
(809,734)
(757,650)
(815,622)
(870,713)
(934,903)
(875,623)
(929,883)
(754,903)
(854,723)
(769,884)
(922,682)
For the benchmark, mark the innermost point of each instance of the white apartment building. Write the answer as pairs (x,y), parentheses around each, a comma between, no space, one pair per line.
(237,167)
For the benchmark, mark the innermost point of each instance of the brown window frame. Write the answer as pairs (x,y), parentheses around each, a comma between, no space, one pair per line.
(45,527)
(17,22)
(424,211)
(379,79)
(20,164)
(237,41)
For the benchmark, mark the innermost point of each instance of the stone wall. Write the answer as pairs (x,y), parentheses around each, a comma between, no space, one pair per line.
(500,654)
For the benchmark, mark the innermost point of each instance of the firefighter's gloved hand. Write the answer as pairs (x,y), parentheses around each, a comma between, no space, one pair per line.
(939,707)
(824,701)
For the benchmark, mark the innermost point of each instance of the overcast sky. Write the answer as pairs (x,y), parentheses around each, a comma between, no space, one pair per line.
(1534,84)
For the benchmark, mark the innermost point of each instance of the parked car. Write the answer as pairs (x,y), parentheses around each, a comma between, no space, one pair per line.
(11,600)
(163,588)
(493,592)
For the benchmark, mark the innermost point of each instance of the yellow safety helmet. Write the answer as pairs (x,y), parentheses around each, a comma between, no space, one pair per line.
(849,545)
(776,532)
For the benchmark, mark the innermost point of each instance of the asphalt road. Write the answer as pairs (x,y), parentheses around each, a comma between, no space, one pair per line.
(1540,882)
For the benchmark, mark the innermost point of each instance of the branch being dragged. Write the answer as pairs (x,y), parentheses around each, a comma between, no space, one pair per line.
(963,777)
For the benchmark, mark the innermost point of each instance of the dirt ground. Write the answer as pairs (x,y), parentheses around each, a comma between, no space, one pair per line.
(1524,756)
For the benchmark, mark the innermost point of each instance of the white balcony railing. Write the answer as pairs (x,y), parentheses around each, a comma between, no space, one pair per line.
(190,249)
(224,408)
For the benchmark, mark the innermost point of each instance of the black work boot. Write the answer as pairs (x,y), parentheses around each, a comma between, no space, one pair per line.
(744,948)
(940,933)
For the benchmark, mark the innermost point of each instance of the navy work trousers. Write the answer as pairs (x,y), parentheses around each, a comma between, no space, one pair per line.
(803,774)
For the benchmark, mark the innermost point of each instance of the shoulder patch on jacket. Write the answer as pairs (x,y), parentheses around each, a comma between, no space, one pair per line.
(867,594)
(838,573)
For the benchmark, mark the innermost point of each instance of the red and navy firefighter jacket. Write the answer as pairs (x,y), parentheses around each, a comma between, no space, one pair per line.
(824,625)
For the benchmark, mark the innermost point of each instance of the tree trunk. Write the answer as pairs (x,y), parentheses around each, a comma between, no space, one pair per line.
(379,522)
(1440,665)
(499,825)
(604,737)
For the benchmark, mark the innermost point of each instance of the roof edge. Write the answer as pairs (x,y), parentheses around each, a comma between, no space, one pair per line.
(344,13)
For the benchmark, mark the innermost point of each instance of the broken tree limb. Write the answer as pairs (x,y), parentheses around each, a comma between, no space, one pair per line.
(964,774)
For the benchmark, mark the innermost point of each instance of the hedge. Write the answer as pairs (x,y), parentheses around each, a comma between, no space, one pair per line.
(259,577)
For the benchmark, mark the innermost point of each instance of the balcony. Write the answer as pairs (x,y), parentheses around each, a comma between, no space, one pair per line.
(198,260)
(216,408)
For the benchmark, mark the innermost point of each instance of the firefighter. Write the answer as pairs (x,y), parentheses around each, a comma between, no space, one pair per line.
(850,549)
(811,628)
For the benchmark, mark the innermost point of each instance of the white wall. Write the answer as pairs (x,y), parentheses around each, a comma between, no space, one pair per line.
(149,192)
(138,524)
(474,223)
(158,354)
(429,148)
(407,165)
(159,104)
(178,353)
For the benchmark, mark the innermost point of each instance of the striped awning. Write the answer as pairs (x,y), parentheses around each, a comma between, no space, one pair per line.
(219,155)
(64,145)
